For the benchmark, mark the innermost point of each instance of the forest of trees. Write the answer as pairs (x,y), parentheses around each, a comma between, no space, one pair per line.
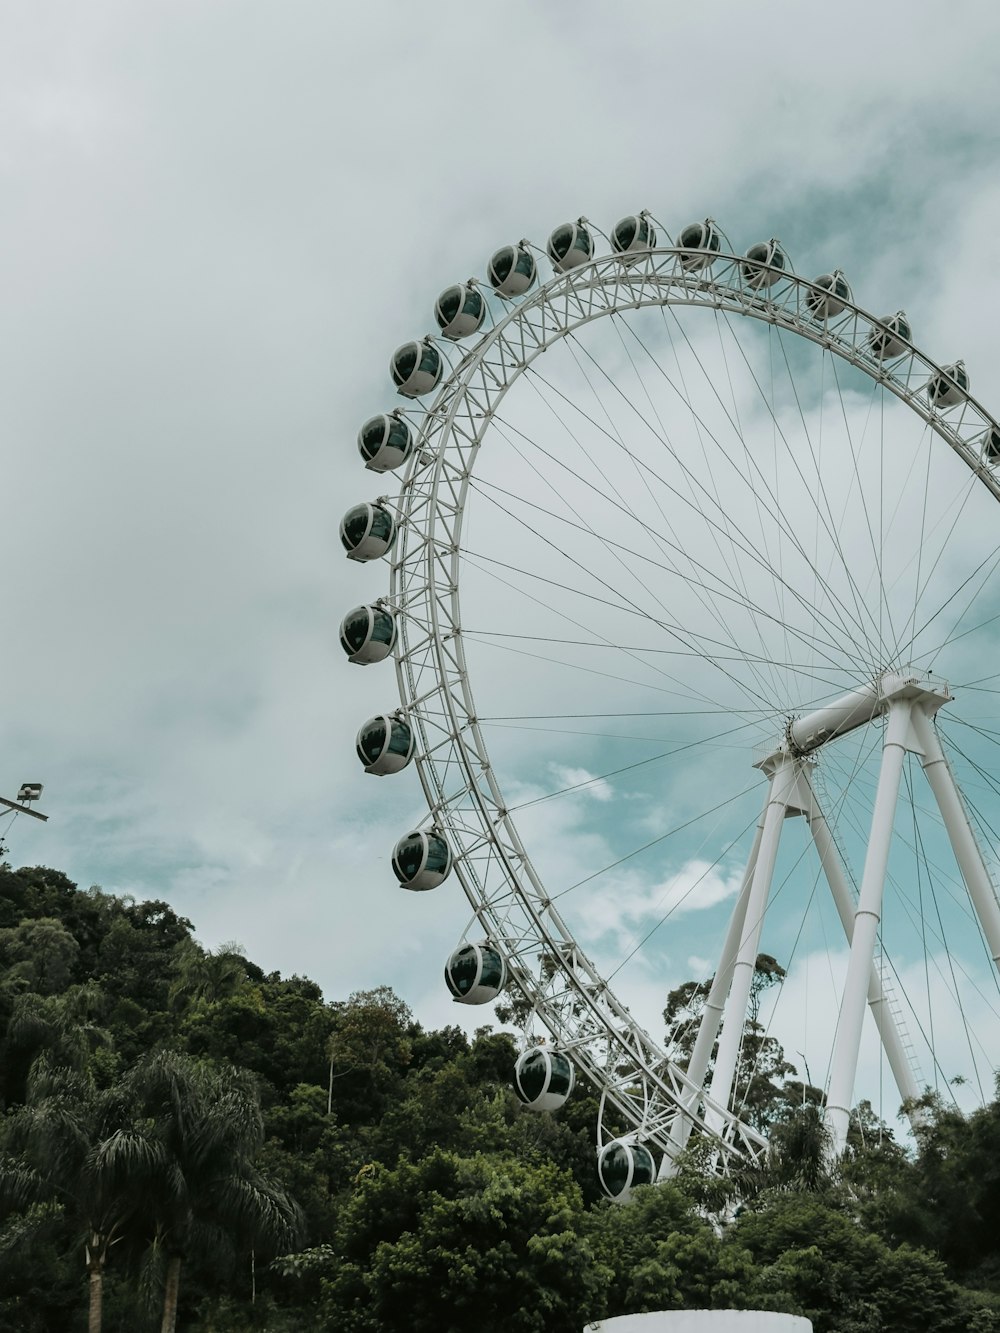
(189,1143)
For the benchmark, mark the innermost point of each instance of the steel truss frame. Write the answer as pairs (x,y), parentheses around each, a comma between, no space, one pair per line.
(563,988)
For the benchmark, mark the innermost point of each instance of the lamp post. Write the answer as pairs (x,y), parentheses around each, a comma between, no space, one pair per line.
(27,792)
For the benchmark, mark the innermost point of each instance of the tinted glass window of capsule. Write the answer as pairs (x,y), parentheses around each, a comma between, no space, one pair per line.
(512,268)
(366,625)
(384,431)
(405,363)
(382,736)
(699,237)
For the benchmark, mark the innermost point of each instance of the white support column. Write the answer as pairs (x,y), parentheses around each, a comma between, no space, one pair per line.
(836,878)
(847,1042)
(783,784)
(956,821)
(711,1018)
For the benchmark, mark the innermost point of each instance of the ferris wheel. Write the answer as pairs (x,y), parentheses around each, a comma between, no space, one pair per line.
(706,554)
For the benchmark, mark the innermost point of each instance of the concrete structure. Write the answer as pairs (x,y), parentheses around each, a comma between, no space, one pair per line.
(703,1321)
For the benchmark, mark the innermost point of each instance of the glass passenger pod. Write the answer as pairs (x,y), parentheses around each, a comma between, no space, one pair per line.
(830,298)
(991,445)
(368,634)
(385,442)
(385,745)
(421,860)
(764,264)
(416,368)
(367,531)
(543,1079)
(511,271)
(621,1166)
(460,310)
(570,246)
(633,235)
(888,338)
(702,241)
(949,386)
(475,973)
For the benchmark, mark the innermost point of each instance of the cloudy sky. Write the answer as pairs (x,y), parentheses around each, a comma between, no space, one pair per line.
(218,220)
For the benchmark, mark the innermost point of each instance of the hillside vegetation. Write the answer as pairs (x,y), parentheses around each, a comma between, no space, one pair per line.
(188,1142)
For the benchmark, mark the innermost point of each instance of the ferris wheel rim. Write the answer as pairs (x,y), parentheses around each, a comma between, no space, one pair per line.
(610,1020)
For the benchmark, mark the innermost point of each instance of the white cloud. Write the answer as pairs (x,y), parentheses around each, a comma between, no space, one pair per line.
(588,783)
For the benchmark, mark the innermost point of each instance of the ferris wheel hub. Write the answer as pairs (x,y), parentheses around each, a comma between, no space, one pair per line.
(807,734)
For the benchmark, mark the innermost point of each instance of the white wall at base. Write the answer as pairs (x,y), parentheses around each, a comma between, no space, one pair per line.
(703,1321)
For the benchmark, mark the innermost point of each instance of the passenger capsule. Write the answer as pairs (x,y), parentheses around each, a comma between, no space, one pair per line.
(543,1078)
(888,338)
(421,860)
(949,386)
(764,264)
(385,442)
(368,634)
(416,368)
(367,531)
(385,745)
(633,235)
(621,1165)
(475,973)
(511,271)
(703,241)
(460,310)
(570,246)
(829,300)
(991,445)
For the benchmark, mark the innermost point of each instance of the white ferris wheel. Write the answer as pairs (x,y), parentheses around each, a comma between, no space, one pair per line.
(708,545)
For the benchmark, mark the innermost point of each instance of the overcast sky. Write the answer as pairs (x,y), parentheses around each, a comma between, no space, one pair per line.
(217,221)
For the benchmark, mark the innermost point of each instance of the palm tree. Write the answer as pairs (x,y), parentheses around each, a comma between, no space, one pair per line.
(64,1025)
(76,1144)
(201,974)
(208,1196)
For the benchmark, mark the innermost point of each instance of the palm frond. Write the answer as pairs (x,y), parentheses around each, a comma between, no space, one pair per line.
(20,1184)
(127,1156)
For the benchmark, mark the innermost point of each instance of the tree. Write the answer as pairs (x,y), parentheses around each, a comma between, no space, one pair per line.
(488,1243)
(201,974)
(39,955)
(207,1197)
(77,1146)
(63,1025)
(813,1259)
(369,1050)
(761,1090)
(663,1255)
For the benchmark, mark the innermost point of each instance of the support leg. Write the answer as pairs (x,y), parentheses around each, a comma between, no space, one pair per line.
(836,878)
(956,821)
(783,779)
(711,1018)
(847,1042)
